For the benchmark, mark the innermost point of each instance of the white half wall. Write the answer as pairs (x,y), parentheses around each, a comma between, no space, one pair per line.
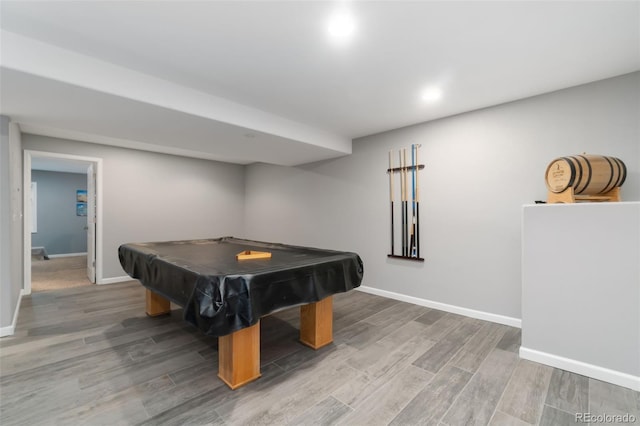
(581,289)
(157,197)
(481,167)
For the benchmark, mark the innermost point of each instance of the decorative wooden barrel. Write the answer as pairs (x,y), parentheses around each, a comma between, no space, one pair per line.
(586,174)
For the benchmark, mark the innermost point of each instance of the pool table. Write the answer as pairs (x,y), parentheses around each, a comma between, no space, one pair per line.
(226,297)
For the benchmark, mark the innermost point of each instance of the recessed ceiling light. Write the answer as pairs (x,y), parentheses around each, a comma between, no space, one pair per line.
(431,94)
(341,26)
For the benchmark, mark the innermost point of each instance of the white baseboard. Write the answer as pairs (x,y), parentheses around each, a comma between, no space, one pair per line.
(53,256)
(7,331)
(579,367)
(114,280)
(486,316)
(11,329)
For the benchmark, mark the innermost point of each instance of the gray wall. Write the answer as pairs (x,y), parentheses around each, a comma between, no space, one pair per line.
(60,230)
(481,167)
(155,197)
(5,224)
(11,241)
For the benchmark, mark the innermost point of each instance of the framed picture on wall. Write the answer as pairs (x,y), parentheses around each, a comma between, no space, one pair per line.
(81,196)
(81,209)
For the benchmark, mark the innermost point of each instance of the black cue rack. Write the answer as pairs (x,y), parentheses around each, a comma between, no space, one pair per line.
(409,203)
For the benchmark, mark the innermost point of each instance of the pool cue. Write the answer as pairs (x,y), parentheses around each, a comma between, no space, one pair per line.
(406,205)
(413,201)
(402,203)
(417,207)
(391,195)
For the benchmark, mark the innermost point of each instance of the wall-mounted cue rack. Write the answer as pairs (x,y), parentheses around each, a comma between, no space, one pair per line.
(409,203)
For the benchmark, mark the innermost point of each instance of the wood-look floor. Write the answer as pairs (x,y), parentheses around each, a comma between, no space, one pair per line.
(90,356)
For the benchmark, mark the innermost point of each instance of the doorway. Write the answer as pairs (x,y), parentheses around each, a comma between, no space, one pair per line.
(88,204)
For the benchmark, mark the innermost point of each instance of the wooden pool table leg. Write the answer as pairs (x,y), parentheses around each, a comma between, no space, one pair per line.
(239,356)
(316,323)
(156,304)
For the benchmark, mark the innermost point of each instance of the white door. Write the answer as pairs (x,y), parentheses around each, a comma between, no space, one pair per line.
(91,223)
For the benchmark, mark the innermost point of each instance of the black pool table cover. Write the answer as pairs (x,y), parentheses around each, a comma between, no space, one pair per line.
(221,295)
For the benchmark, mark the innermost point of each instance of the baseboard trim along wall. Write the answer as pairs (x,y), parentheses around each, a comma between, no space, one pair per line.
(8,330)
(11,329)
(114,280)
(53,256)
(486,316)
(578,367)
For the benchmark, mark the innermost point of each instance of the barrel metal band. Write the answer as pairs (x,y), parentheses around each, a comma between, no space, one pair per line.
(623,171)
(606,187)
(589,175)
(573,171)
(579,176)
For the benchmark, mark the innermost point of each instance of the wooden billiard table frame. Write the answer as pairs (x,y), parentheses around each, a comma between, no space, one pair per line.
(239,352)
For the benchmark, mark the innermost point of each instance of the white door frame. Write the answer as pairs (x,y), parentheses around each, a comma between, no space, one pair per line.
(91,223)
(97,163)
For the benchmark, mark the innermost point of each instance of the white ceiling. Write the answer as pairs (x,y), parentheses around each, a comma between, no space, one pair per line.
(244,82)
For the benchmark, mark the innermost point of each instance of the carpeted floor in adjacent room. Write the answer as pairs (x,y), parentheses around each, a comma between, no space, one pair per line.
(58,273)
